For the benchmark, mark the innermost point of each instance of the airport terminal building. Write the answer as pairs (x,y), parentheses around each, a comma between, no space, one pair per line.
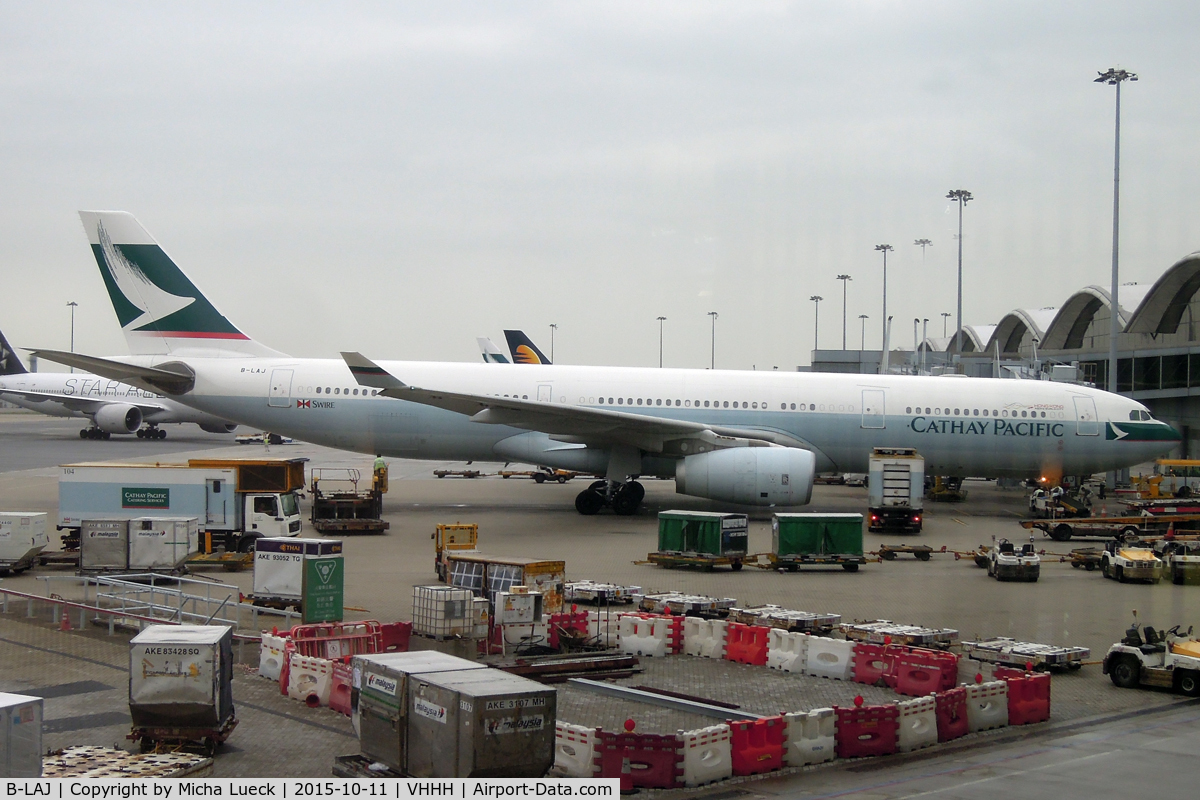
(1158,348)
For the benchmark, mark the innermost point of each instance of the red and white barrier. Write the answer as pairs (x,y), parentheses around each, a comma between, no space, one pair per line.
(757,745)
(704,637)
(575,750)
(787,651)
(640,760)
(811,737)
(1028,698)
(272,652)
(746,644)
(987,706)
(917,724)
(867,731)
(310,679)
(707,755)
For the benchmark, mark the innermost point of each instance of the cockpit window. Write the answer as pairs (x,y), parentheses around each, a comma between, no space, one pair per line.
(1137,415)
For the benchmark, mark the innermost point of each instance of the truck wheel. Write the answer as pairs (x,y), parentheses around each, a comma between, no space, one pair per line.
(1125,671)
(562,478)
(1177,577)
(1119,573)
(1130,534)
(888,555)
(246,544)
(922,556)
(1183,491)
(1061,532)
(1090,566)
(736,566)
(539,478)
(1187,681)
(850,567)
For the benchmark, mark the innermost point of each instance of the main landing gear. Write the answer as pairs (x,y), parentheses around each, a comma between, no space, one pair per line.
(151,433)
(623,497)
(93,433)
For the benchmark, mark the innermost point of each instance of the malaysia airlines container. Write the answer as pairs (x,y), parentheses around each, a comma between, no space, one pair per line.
(20,736)
(479,724)
(279,564)
(181,676)
(162,543)
(22,537)
(103,545)
(383,699)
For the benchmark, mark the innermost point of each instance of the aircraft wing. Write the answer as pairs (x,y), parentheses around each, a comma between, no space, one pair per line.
(171,378)
(569,423)
(84,405)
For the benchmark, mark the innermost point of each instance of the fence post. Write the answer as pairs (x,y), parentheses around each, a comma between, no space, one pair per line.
(29,613)
(111,625)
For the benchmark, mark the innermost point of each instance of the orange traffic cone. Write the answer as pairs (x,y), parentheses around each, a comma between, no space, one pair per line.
(64,622)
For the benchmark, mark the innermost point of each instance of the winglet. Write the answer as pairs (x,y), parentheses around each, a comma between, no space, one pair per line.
(368,373)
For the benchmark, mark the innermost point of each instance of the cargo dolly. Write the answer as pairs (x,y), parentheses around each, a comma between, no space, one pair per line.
(921,552)
(884,631)
(686,605)
(1011,653)
(794,561)
(670,559)
(457,473)
(230,562)
(206,740)
(1126,528)
(598,593)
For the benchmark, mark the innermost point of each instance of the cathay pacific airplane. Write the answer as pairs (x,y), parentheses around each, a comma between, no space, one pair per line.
(111,406)
(755,438)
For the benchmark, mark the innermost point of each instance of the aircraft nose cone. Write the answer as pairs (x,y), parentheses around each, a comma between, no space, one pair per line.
(1173,435)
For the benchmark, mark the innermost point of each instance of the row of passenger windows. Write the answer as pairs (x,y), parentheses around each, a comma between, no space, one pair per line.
(629,401)
(339,390)
(975,412)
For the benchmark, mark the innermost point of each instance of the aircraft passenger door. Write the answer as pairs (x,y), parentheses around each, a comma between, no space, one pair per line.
(1087,422)
(545,393)
(281,388)
(872,409)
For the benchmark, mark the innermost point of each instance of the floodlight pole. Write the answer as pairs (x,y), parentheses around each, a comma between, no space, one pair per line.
(661,320)
(553,328)
(962,197)
(884,248)
(1115,77)
(816,298)
(72,305)
(862,339)
(945,318)
(712,363)
(844,279)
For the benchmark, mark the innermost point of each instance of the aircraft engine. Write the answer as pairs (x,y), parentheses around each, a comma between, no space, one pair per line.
(222,427)
(754,476)
(118,418)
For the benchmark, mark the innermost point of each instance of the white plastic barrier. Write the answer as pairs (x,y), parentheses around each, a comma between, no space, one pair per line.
(309,680)
(918,724)
(787,650)
(968,668)
(645,637)
(830,658)
(718,632)
(811,737)
(574,750)
(270,655)
(603,628)
(707,755)
(987,706)
(695,633)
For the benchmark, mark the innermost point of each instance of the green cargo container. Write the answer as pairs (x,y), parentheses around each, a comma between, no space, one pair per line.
(703,532)
(817,534)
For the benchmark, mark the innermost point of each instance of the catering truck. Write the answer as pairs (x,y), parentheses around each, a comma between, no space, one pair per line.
(235,500)
(895,489)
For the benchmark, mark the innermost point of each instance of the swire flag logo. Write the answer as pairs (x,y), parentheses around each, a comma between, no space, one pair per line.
(304,404)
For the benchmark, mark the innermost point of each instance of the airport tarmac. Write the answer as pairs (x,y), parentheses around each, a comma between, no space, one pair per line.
(518,517)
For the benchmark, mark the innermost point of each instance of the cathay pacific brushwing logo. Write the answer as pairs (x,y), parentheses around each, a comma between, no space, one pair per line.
(136,286)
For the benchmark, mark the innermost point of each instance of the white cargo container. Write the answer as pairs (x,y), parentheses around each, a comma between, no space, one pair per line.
(158,543)
(279,564)
(103,545)
(22,537)
(895,489)
(181,677)
(443,611)
(20,736)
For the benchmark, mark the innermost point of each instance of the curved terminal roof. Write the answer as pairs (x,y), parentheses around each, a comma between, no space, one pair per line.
(1071,324)
(975,338)
(1163,305)
(1016,324)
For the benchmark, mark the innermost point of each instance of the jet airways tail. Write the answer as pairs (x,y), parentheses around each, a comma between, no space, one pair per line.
(161,312)
(523,350)
(10,364)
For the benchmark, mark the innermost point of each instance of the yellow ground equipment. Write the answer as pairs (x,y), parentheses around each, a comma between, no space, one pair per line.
(448,538)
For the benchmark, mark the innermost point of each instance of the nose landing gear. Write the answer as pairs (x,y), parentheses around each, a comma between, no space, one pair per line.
(624,498)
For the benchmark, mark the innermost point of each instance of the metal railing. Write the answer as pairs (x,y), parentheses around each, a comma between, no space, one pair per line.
(144,597)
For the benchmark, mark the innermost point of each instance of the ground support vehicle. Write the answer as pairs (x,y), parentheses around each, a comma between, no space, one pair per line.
(1012,653)
(263,438)
(686,605)
(1150,658)
(1124,527)
(1084,558)
(802,540)
(339,507)
(921,552)
(1181,560)
(703,539)
(1055,504)
(1007,563)
(450,538)
(884,631)
(854,479)
(830,478)
(1123,562)
(895,489)
(946,490)
(236,500)
(204,740)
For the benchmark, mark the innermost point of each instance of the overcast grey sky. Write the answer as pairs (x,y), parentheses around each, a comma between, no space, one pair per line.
(399,178)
